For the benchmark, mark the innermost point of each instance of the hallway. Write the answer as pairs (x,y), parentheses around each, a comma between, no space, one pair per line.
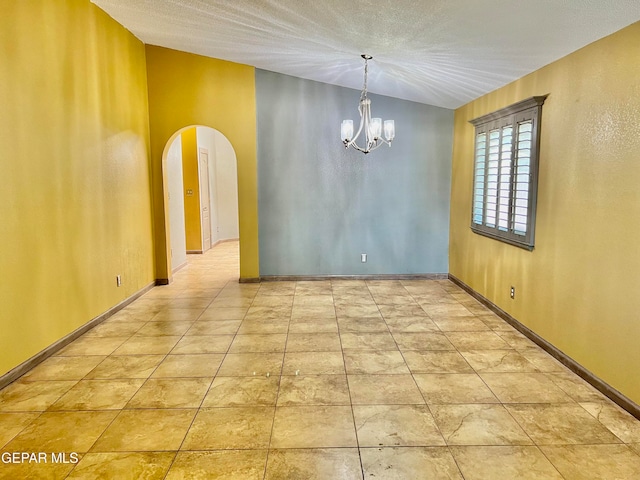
(340,379)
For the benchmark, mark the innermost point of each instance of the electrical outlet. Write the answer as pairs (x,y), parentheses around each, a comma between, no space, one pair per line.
(512,292)
(363,257)
(118,281)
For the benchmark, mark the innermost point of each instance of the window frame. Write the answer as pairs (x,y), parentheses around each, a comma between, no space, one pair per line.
(514,115)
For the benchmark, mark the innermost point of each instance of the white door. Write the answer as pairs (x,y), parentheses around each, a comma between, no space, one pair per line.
(176,204)
(204,199)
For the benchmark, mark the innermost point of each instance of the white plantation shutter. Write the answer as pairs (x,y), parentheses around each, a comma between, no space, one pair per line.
(491,195)
(505,173)
(504,188)
(478,188)
(522,178)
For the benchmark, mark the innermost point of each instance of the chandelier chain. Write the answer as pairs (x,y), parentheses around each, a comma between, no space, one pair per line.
(366,74)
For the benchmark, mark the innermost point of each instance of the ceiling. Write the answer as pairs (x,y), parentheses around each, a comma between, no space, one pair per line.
(439,52)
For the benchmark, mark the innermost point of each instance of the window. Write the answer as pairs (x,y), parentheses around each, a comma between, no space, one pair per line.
(506,173)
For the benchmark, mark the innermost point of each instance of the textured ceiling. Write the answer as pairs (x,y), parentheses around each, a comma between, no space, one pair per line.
(438,52)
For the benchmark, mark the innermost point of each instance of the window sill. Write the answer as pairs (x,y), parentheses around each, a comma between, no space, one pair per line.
(508,240)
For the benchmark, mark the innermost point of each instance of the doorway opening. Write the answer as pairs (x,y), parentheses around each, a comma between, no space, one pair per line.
(202,191)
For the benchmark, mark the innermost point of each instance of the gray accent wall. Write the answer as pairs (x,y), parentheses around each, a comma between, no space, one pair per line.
(320,206)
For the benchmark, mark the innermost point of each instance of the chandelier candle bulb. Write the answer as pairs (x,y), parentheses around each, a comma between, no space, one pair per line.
(346,130)
(389,130)
(376,128)
(372,127)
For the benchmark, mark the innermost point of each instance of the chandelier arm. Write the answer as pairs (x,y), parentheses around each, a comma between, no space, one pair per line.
(355,145)
(371,147)
(357,134)
(367,123)
(376,146)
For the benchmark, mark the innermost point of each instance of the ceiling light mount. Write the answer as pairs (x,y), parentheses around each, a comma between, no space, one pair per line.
(372,127)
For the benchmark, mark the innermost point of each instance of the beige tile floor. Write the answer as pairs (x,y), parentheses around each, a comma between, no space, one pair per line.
(209,378)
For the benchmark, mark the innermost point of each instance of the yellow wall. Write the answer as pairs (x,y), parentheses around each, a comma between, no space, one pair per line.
(185,90)
(191,182)
(580,288)
(75,200)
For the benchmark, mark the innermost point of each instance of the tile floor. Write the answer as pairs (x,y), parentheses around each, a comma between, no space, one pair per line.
(209,378)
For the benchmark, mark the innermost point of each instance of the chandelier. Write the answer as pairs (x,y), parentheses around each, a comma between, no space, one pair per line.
(372,127)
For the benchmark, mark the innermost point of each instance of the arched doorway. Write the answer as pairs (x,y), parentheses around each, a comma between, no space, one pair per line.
(201,185)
